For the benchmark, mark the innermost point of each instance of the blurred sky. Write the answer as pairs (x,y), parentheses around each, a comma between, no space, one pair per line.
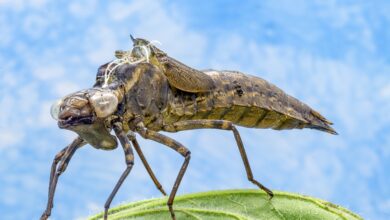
(334,55)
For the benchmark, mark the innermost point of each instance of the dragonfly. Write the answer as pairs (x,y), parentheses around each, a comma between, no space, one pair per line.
(144,91)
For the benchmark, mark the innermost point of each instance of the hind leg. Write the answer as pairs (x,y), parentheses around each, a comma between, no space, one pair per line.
(224,125)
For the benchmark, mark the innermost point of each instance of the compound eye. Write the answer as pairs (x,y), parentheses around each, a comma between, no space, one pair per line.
(55,109)
(104,103)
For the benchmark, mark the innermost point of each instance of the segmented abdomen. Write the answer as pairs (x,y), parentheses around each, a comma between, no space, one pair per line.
(246,101)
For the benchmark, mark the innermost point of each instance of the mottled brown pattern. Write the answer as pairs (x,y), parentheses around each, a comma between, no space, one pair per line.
(184,77)
(247,101)
(178,74)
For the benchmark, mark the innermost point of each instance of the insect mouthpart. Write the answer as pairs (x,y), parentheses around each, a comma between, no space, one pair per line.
(84,107)
(71,116)
(72,110)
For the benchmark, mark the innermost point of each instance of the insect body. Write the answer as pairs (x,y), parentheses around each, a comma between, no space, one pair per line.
(246,101)
(142,98)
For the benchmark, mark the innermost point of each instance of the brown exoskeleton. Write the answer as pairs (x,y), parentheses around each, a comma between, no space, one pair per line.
(165,95)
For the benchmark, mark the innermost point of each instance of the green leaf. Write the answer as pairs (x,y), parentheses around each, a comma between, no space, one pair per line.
(233,204)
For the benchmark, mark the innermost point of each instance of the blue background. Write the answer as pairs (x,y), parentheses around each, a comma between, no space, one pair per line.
(333,55)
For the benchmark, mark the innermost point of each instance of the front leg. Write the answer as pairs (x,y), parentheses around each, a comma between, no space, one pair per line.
(176,146)
(64,156)
(129,158)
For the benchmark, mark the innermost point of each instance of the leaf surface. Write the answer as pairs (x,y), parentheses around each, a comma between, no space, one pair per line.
(232,205)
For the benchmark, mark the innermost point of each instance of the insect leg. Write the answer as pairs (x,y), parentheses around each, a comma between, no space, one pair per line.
(224,125)
(137,148)
(64,156)
(129,157)
(57,158)
(178,147)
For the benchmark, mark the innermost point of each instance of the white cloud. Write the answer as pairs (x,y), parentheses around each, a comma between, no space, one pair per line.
(10,132)
(19,5)
(49,71)
(65,87)
(100,41)
(119,11)
(385,92)
(27,98)
(37,3)
(93,208)
(35,25)
(154,22)
(16,5)
(384,206)
(44,119)
(345,16)
(338,14)
(6,31)
(10,137)
(82,8)
(8,79)
(370,162)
